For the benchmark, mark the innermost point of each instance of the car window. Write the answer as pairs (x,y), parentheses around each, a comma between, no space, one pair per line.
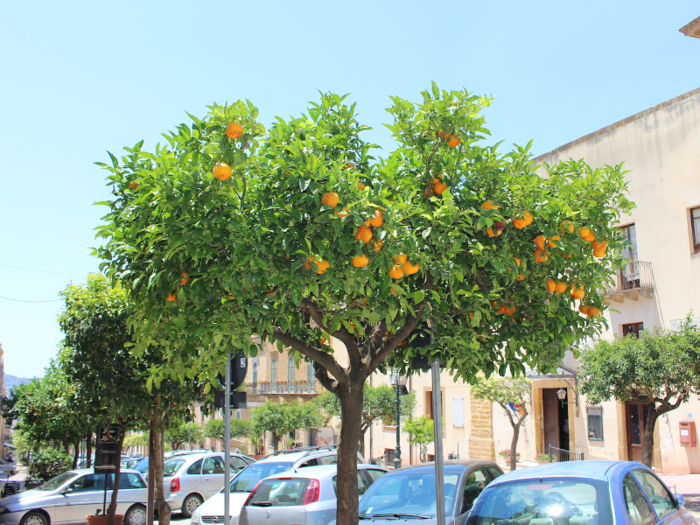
(131,481)
(310,463)
(213,465)
(56,482)
(663,503)
(475,483)
(494,473)
(328,460)
(638,509)
(375,473)
(362,484)
(88,483)
(280,492)
(246,480)
(545,501)
(195,468)
(172,466)
(237,463)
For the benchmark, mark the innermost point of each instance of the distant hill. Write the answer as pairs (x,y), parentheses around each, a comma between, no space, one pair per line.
(12,381)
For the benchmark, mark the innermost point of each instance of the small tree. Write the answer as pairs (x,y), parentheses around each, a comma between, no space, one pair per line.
(182,433)
(660,369)
(512,394)
(420,432)
(215,429)
(283,418)
(48,463)
(379,404)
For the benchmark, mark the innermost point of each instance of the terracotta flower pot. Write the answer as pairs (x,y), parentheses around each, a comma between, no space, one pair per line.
(102,519)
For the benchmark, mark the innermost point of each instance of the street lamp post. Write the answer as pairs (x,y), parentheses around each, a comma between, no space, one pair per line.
(399,384)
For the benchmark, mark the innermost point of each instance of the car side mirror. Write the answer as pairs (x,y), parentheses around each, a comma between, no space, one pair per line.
(680,500)
(67,491)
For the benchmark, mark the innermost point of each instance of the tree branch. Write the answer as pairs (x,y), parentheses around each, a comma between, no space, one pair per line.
(311,308)
(322,358)
(480,274)
(322,375)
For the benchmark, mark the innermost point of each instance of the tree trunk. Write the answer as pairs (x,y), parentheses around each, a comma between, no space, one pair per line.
(276,440)
(362,443)
(351,399)
(88,449)
(117,476)
(76,454)
(158,461)
(649,424)
(514,442)
(66,447)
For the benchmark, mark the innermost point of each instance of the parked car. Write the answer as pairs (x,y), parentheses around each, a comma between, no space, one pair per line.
(580,493)
(71,496)
(191,479)
(306,496)
(408,494)
(292,460)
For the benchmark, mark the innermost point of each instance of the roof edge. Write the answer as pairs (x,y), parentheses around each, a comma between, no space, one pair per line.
(620,123)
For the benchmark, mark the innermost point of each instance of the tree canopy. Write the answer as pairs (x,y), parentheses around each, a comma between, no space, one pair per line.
(282,418)
(660,369)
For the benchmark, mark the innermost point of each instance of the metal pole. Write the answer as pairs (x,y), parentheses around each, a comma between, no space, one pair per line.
(227,441)
(397,456)
(437,426)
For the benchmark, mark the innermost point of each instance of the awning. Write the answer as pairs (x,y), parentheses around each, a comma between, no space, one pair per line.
(6,445)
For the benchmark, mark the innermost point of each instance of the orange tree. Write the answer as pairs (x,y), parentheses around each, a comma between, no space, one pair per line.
(297,233)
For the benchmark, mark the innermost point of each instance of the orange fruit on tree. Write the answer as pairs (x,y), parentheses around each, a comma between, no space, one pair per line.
(509,310)
(133,185)
(391,289)
(517,261)
(185,278)
(396,272)
(361,186)
(410,269)
(551,285)
(599,253)
(439,188)
(171,296)
(590,237)
(584,309)
(363,234)
(400,258)
(593,311)
(501,309)
(349,166)
(578,293)
(567,225)
(491,233)
(519,223)
(222,171)
(231,297)
(377,245)
(454,142)
(234,130)
(540,256)
(584,232)
(551,240)
(331,199)
(322,340)
(561,287)
(360,261)
(378,219)
(307,264)
(528,218)
(489,205)
(322,266)
(520,277)
(343,213)
(599,245)
(539,241)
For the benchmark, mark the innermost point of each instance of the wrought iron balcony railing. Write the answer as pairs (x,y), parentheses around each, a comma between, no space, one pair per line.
(633,276)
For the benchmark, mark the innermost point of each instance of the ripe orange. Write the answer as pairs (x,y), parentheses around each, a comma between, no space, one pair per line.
(184,279)
(552,244)
(602,245)
(439,188)
(584,232)
(520,277)
(343,213)
(222,171)
(578,293)
(509,310)
(391,289)
(396,272)
(410,269)
(539,241)
(491,233)
(590,237)
(551,285)
(517,261)
(540,256)
(561,287)
(231,297)
(349,166)
(171,296)
(322,265)
(599,253)
(234,130)
(377,245)
(133,185)
(567,225)
(400,258)
(528,217)
(307,264)
(361,186)
(519,223)
(330,199)
(364,234)
(501,309)
(593,311)
(322,340)
(360,261)
(454,142)
(489,205)
(378,219)
(584,309)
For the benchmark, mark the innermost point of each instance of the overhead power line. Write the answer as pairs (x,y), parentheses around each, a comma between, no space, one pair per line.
(41,271)
(24,301)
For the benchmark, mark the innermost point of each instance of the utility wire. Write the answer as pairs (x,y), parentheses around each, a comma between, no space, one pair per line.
(40,271)
(23,301)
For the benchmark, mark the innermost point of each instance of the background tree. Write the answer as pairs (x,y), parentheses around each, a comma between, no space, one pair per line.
(659,370)
(282,418)
(184,433)
(136,439)
(512,394)
(215,429)
(420,432)
(299,233)
(47,464)
(379,404)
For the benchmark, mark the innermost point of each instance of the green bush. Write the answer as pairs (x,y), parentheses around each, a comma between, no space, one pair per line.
(48,463)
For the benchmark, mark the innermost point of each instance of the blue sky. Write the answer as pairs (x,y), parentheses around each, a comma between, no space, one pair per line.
(81,78)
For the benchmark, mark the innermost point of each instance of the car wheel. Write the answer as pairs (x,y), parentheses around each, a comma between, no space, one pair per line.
(34,518)
(136,515)
(189,505)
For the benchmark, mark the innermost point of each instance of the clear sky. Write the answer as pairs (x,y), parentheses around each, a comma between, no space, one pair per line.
(81,78)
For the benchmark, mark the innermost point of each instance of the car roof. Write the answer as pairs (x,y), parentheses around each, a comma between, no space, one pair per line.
(593,469)
(430,465)
(81,471)
(295,454)
(320,471)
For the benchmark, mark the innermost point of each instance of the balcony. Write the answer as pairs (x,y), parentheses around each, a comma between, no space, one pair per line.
(633,279)
(283,387)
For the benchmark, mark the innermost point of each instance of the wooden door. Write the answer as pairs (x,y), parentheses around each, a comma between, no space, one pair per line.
(550,418)
(635,431)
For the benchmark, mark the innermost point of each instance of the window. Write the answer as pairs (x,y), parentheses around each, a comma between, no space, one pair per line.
(310,378)
(632,329)
(213,465)
(362,484)
(629,233)
(196,468)
(476,482)
(661,500)
(255,372)
(638,509)
(237,464)
(595,423)
(695,228)
(290,369)
(131,481)
(280,492)
(273,375)
(89,483)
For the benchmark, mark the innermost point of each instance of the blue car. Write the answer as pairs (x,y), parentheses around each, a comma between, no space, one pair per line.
(580,493)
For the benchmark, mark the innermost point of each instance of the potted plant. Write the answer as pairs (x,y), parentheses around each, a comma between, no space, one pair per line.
(544,458)
(101,519)
(506,454)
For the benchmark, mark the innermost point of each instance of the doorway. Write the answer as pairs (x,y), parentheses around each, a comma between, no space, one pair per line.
(636,416)
(555,416)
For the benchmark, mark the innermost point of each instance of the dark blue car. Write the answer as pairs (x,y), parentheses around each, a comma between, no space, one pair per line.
(580,493)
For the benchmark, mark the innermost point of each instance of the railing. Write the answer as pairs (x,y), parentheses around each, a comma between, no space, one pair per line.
(283,387)
(559,454)
(632,276)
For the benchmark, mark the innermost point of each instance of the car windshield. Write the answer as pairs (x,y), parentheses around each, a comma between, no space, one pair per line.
(545,502)
(249,477)
(409,493)
(56,482)
(142,466)
(172,466)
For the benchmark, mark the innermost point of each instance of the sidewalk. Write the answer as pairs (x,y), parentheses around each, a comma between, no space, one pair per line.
(689,486)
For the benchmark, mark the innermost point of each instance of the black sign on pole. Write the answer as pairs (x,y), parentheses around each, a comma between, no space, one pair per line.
(239,367)
(238,400)
(106,457)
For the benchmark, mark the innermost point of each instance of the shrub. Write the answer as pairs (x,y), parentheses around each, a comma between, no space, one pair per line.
(48,463)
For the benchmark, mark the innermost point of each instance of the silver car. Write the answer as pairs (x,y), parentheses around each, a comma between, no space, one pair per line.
(307,496)
(192,479)
(71,496)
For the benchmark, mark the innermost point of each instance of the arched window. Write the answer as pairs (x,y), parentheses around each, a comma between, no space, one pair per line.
(310,378)
(273,375)
(238,414)
(255,377)
(290,369)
